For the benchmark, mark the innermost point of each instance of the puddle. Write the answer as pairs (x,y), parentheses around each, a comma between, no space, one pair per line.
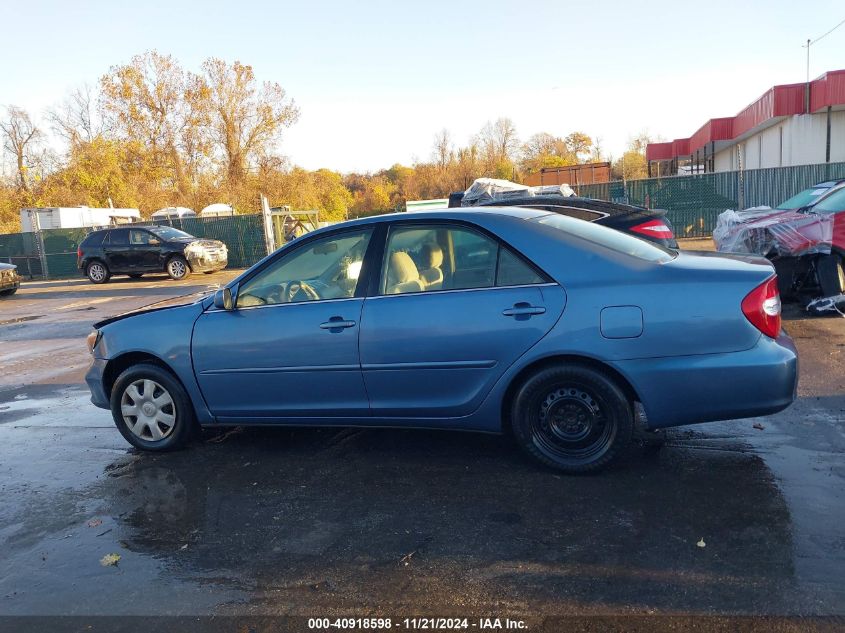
(20,319)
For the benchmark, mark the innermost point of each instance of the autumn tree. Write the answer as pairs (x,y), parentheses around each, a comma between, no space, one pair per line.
(632,165)
(20,136)
(246,118)
(154,101)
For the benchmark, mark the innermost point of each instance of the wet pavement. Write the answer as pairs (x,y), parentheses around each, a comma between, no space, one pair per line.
(364,522)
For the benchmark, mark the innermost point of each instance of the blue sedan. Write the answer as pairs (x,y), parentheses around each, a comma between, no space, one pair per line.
(500,319)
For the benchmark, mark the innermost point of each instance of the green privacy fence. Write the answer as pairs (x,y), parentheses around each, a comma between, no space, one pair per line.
(694,202)
(242,234)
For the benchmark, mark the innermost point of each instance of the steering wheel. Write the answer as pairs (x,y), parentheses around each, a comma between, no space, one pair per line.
(295,287)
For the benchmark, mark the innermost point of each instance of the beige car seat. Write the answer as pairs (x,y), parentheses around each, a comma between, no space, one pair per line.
(402,275)
(431,260)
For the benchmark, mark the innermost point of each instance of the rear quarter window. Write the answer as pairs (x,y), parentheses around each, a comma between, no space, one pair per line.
(94,239)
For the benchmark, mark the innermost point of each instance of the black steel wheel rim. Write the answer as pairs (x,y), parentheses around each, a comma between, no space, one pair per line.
(572,423)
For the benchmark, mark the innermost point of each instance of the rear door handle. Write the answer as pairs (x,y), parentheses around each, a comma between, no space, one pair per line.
(336,323)
(523,309)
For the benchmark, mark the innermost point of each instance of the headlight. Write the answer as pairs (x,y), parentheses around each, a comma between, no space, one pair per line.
(93,339)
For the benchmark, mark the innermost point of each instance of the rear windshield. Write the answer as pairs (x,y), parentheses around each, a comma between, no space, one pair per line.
(169,233)
(808,196)
(609,238)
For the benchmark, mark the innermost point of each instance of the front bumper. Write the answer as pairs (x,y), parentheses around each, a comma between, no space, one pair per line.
(94,379)
(681,390)
(204,263)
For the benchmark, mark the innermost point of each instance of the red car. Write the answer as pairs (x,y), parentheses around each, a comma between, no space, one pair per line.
(804,238)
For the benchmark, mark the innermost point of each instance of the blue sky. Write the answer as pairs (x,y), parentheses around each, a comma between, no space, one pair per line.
(376,80)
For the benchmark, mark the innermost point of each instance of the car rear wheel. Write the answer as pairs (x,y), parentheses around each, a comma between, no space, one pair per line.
(97,272)
(573,418)
(177,268)
(831,275)
(151,408)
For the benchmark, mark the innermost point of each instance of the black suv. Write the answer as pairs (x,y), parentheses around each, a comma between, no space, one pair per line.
(134,251)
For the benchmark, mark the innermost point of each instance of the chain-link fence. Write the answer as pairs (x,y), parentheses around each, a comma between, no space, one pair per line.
(694,202)
(51,253)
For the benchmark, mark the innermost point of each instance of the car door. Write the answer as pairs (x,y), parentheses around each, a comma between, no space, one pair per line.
(116,250)
(435,349)
(289,348)
(144,250)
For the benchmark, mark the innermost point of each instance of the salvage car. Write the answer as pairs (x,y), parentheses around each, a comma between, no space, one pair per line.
(804,237)
(150,249)
(10,281)
(650,224)
(496,319)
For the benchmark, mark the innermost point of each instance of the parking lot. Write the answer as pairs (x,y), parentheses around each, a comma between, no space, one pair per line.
(741,517)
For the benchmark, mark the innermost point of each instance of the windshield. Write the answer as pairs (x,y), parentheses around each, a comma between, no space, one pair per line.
(169,233)
(609,238)
(834,203)
(808,196)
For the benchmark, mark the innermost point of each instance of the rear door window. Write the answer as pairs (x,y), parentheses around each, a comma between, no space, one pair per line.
(118,237)
(430,258)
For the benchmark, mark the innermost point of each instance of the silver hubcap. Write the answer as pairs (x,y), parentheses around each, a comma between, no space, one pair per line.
(96,272)
(148,411)
(177,268)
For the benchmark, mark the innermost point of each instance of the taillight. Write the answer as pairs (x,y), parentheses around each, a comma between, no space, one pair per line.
(762,307)
(654,228)
(79,253)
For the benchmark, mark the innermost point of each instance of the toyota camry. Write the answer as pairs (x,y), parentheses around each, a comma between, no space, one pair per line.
(552,329)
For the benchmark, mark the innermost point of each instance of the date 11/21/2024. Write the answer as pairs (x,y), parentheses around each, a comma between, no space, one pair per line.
(417,624)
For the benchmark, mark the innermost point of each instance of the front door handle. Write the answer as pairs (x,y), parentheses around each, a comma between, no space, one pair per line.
(523,309)
(336,323)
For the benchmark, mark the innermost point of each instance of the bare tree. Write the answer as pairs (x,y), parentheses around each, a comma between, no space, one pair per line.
(19,135)
(499,140)
(443,149)
(76,119)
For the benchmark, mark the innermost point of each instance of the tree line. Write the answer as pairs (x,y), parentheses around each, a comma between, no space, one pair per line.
(151,134)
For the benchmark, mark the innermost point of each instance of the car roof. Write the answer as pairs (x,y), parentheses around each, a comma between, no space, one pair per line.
(467,214)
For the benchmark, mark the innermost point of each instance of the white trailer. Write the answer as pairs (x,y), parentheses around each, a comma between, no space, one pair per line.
(74,217)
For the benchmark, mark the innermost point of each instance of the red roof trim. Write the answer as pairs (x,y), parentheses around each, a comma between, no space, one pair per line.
(778,101)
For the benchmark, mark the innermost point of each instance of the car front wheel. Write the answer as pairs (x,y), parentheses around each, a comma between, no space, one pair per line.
(178,268)
(97,273)
(151,408)
(573,418)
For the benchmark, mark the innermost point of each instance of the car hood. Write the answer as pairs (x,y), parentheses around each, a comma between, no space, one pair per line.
(165,304)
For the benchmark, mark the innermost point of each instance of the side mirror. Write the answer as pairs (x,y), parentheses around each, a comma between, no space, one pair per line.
(223,299)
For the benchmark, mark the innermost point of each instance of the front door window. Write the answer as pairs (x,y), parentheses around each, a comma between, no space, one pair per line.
(326,268)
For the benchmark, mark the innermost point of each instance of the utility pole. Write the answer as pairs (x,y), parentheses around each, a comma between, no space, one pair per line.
(807,84)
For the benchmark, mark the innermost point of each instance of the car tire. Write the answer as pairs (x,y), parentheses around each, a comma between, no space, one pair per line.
(97,272)
(831,275)
(135,275)
(8,293)
(573,418)
(177,267)
(151,409)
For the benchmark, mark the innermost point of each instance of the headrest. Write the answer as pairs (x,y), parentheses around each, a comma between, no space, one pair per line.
(402,267)
(431,255)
